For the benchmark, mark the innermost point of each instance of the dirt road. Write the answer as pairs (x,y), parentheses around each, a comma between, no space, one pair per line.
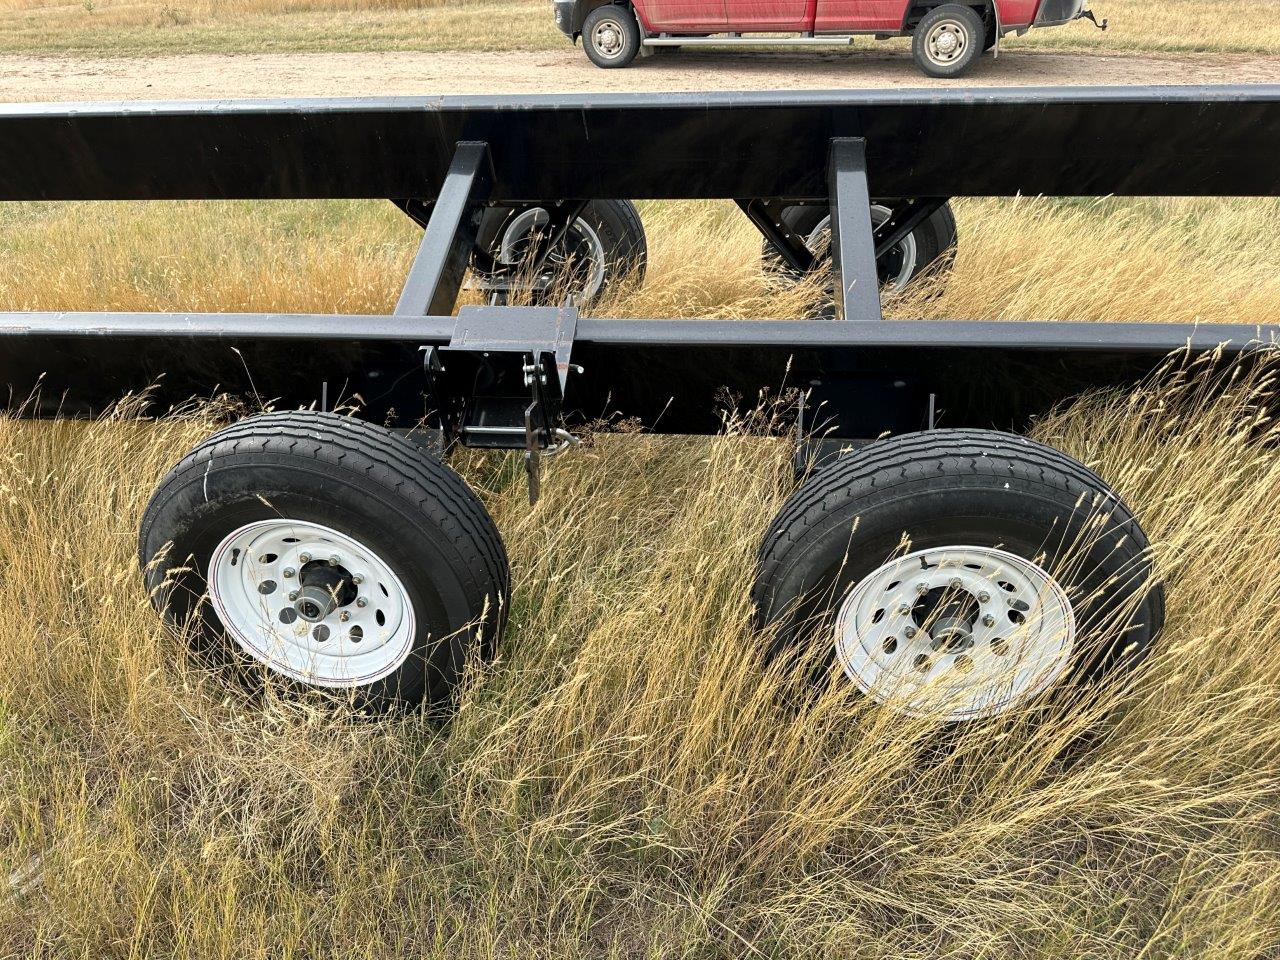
(24,78)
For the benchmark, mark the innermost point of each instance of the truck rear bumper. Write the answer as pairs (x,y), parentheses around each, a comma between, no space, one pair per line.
(1053,13)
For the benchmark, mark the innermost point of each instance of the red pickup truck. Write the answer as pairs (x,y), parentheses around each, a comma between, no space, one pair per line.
(946,37)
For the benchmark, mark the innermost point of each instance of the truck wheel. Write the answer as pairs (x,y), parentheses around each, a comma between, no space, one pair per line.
(603,246)
(611,36)
(959,574)
(327,553)
(947,40)
(930,246)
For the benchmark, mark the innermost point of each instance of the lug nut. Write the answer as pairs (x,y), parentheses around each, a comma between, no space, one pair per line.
(289,573)
(984,597)
(909,632)
(362,601)
(357,579)
(988,621)
(335,560)
(293,595)
(922,588)
(344,616)
(304,557)
(956,583)
(903,609)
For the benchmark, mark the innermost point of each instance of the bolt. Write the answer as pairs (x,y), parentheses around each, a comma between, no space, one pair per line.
(362,601)
(956,583)
(909,632)
(304,557)
(984,597)
(293,595)
(335,560)
(289,573)
(903,609)
(357,579)
(922,588)
(988,621)
(344,616)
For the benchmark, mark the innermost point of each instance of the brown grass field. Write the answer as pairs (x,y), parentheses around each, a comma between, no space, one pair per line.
(627,780)
(150,27)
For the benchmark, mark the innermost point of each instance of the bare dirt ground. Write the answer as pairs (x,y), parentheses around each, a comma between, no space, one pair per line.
(24,78)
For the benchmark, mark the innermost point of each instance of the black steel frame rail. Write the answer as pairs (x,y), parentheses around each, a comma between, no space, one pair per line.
(508,375)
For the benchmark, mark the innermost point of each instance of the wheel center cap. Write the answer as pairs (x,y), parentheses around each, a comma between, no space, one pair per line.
(946,42)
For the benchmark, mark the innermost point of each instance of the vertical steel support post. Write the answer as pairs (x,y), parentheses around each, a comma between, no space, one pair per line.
(853,249)
(435,278)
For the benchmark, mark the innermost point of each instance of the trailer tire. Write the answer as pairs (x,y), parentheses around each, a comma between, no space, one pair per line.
(948,40)
(611,36)
(420,584)
(609,233)
(929,250)
(958,526)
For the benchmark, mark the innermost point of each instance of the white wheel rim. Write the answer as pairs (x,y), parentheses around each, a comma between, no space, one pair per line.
(251,575)
(528,221)
(820,237)
(946,42)
(901,632)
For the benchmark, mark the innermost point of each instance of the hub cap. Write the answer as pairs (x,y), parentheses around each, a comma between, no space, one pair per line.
(955,633)
(946,42)
(607,38)
(311,603)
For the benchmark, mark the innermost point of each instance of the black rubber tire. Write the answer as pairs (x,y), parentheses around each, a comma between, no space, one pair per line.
(975,33)
(367,482)
(935,242)
(616,222)
(630,33)
(971,487)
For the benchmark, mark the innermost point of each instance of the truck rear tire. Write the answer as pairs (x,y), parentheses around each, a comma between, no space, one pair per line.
(611,36)
(958,574)
(947,40)
(326,553)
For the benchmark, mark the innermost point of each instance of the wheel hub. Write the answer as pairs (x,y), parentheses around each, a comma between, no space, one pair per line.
(955,632)
(946,42)
(325,588)
(608,38)
(579,260)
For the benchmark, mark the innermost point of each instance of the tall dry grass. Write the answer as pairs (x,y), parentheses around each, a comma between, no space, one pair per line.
(1177,260)
(627,779)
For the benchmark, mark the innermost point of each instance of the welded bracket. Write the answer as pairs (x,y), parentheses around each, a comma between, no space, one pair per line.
(853,248)
(787,243)
(431,289)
